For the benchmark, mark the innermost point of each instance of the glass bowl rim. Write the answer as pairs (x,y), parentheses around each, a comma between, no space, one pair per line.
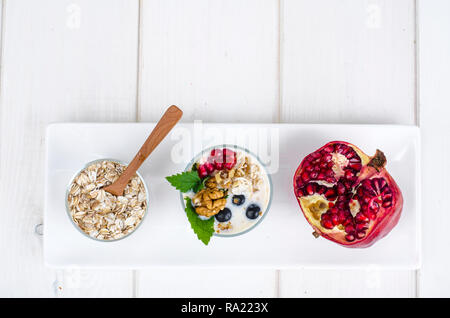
(67,201)
(189,165)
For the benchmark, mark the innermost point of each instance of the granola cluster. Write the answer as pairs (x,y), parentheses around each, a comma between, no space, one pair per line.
(245,177)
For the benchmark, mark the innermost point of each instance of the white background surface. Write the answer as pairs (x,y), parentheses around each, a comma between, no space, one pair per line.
(326,61)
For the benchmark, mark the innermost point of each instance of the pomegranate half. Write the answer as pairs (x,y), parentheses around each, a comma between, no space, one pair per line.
(347,196)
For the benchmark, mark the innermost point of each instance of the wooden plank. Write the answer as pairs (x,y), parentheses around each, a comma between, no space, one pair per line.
(217,60)
(434,71)
(77,282)
(201,283)
(347,62)
(347,283)
(62,61)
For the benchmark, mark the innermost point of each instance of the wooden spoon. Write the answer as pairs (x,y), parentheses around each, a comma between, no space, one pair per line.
(162,128)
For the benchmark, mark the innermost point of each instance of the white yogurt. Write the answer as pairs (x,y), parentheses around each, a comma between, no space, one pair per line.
(239,222)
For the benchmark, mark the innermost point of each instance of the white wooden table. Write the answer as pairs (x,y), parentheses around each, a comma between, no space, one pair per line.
(327,61)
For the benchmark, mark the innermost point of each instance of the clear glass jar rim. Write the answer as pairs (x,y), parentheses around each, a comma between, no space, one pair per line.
(189,165)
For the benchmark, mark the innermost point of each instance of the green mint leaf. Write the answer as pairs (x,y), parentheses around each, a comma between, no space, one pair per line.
(185,181)
(201,185)
(203,228)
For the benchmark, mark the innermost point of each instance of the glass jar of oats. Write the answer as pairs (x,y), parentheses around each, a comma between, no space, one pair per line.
(98,214)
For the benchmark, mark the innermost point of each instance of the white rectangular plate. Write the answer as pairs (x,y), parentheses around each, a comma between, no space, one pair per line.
(282,240)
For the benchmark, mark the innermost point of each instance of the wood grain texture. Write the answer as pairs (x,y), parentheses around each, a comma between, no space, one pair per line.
(75,282)
(434,71)
(217,61)
(341,61)
(61,61)
(347,283)
(206,283)
(347,62)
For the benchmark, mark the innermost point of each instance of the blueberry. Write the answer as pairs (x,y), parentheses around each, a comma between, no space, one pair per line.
(238,199)
(253,211)
(224,215)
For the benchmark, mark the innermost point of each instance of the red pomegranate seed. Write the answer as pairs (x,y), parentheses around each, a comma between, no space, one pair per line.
(229,158)
(374,206)
(329,149)
(328,224)
(366,184)
(330,194)
(342,217)
(335,219)
(310,188)
(329,173)
(361,218)
(376,185)
(349,228)
(361,226)
(340,148)
(305,176)
(334,210)
(360,192)
(229,165)
(387,204)
(227,152)
(326,158)
(209,167)
(217,154)
(350,237)
(355,166)
(202,173)
(340,204)
(350,154)
(340,189)
(347,221)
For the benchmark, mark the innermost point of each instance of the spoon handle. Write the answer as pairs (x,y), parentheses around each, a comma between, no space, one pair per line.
(162,128)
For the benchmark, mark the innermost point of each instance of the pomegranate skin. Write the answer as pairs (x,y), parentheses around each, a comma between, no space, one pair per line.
(370,193)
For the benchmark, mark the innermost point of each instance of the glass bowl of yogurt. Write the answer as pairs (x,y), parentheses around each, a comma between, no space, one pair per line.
(237,189)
